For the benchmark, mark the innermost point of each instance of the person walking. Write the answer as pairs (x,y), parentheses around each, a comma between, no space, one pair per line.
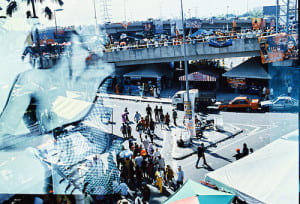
(200,153)
(169,176)
(180,177)
(156,115)
(152,126)
(174,116)
(139,129)
(137,117)
(162,120)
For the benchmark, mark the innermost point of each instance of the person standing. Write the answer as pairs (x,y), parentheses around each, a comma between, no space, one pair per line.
(158,92)
(149,111)
(264,91)
(245,151)
(180,177)
(289,90)
(137,117)
(167,120)
(169,175)
(145,190)
(200,152)
(156,115)
(146,142)
(271,94)
(141,90)
(124,130)
(129,130)
(174,116)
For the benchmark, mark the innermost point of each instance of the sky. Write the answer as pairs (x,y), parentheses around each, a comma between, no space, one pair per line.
(80,12)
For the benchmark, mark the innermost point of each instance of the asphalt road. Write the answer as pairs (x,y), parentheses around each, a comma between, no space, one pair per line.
(259,129)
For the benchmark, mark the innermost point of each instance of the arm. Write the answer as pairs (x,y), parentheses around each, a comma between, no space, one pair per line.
(16,105)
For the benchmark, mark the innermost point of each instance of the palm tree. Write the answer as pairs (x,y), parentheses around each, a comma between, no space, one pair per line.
(13,7)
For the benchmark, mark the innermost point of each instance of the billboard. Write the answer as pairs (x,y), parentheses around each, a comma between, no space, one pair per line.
(270,10)
(279,47)
(256,23)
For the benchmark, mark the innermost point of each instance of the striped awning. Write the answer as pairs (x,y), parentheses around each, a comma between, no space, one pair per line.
(198,76)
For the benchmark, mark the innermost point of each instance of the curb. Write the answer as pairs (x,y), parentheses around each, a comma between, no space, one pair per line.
(140,99)
(212,144)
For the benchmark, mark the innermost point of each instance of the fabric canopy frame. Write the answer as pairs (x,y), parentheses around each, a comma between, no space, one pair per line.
(198,76)
(269,175)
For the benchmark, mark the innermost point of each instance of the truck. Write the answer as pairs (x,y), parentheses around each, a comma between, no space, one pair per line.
(200,99)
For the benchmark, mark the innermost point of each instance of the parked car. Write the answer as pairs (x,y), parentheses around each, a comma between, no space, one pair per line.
(241,103)
(281,103)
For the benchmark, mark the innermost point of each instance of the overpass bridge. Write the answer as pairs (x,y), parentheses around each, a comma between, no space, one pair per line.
(247,47)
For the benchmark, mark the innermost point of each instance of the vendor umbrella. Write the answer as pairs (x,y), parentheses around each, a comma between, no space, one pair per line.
(126,153)
(203,199)
(194,192)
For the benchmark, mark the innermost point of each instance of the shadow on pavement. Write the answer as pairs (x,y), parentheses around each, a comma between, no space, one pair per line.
(217,156)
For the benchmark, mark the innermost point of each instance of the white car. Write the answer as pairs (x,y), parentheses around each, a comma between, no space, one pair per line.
(281,103)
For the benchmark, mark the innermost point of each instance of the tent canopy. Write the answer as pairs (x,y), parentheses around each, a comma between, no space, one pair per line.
(198,76)
(192,188)
(248,69)
(147,71)
(269,175)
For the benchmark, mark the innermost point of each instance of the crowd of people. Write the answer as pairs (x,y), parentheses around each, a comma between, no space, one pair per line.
(142,164)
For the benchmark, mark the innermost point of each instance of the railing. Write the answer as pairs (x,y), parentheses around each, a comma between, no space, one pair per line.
(175,42)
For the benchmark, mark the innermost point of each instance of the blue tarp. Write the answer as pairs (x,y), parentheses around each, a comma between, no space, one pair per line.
(223,43)
(201,32)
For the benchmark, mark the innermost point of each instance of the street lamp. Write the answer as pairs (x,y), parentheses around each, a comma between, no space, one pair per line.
(55,18)
(184,56)
(188,108)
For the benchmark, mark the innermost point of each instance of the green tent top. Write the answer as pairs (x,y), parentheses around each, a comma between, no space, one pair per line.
(205,194)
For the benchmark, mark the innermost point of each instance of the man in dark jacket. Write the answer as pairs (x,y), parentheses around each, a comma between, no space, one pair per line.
(200,152)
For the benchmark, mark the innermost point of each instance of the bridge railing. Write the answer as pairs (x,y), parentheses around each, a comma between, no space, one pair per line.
(174,42)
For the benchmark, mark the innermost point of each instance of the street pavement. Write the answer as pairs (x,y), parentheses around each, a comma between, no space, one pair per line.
(258,130)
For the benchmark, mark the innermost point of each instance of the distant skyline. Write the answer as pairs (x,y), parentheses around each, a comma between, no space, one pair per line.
(81,12)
